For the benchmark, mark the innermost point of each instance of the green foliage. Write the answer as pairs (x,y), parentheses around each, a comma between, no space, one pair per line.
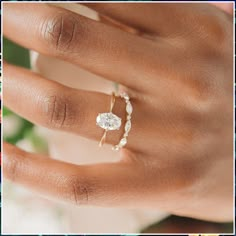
(15,54)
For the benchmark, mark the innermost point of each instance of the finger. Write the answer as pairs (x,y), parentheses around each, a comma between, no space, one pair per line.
(157,19)
(93,45)
(56,106)
(143,17)
(98,184)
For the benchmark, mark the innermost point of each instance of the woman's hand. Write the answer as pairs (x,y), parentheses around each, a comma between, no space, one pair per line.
(176,63)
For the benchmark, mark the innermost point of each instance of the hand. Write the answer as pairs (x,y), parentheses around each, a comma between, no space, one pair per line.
(176,64)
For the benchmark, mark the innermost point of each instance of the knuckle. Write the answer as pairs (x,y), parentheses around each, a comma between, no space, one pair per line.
(59,31)
(214,26)
(218,28)
(57,110)
(80,190)
(12,166)
(202,95)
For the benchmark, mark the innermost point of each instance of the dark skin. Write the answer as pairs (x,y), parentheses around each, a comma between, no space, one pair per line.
(176,63)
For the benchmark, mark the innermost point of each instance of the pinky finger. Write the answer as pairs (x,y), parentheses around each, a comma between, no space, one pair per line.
(97,184)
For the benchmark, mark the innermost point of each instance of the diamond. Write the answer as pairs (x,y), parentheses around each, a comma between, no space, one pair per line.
(123,141)
(108,121)
(129,108)
(125,96)
(127,126)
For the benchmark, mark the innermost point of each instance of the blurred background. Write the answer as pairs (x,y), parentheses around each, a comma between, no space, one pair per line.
(26,212)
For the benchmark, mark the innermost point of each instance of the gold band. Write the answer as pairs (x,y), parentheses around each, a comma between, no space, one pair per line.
(113,99)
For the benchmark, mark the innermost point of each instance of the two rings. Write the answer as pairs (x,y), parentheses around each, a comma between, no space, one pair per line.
(109,121)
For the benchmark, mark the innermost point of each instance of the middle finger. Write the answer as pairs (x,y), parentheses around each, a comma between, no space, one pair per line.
(95,46)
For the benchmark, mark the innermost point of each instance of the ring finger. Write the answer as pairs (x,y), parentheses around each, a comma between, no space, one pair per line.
(56,106)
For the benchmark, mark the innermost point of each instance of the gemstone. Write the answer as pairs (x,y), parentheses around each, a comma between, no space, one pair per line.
(123,141)
(129,108)
(108,121)
(127,126)
(125,96)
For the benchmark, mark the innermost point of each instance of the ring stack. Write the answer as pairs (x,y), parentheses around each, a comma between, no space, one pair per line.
(109,121)
(129,110)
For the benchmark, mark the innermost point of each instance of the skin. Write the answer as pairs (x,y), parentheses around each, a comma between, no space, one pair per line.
(175,62)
